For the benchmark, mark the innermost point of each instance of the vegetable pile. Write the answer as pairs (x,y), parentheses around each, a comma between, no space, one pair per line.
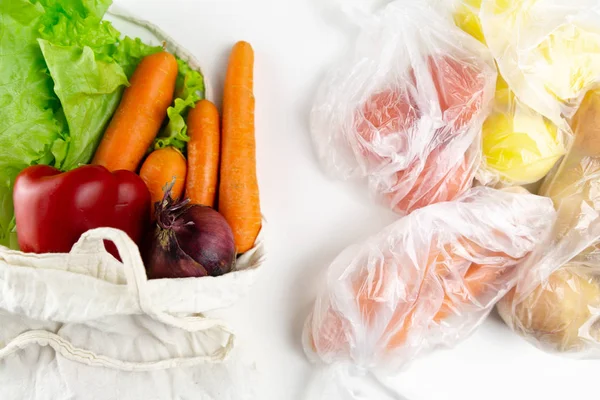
(63,74)
(75,91)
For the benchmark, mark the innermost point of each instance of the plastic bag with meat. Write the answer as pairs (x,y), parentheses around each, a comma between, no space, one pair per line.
(427,280)
(556,303)
(405,109)
(547,50)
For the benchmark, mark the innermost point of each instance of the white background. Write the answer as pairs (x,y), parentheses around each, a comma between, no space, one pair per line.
(312,218)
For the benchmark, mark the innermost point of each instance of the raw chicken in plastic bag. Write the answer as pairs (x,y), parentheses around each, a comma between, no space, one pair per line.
(427,280)
(547,50)
(406,109)
(556,303)
(519,145)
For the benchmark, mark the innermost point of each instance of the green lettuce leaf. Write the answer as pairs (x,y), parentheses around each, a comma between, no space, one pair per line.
(189,89)
(28,126)
(89,91)
(130,52)
(78,23)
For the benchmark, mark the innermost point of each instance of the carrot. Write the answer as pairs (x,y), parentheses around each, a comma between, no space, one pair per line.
(371,288)
(203,153)
(238,191)
(160,169)
(140,113)
(478,280)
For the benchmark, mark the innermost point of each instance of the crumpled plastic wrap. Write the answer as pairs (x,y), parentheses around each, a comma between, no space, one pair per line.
(547,50)
(520,146)
(556,303)
(405,109)
(427,280)
(466,16)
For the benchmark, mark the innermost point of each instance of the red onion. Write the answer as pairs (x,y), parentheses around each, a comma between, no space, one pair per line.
(188,241)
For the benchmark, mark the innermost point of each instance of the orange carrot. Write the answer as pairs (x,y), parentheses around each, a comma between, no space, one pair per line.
(238,191)
(203,153)
(161,169)
(140,113)
(369,290)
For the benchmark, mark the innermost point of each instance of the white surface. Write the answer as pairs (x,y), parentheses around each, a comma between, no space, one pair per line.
(312,218)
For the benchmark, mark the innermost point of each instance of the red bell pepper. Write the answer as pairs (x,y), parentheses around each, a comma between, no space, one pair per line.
(53,208)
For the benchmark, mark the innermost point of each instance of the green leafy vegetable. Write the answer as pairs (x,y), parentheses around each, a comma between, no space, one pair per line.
(89,93)
(78,23)
(89,65)
(63,73)
(28,126)
(130,52)
(189,89)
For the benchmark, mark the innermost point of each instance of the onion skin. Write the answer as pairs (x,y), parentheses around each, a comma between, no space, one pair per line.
(164,258)
(215,251)
(188,241)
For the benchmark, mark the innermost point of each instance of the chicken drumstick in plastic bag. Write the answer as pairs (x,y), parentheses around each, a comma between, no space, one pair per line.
(405,111)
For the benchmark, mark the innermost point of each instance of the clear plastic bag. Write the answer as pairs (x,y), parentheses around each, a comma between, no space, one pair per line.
(427,280)
(519,145)
(547,50)
(466,16)
(556,303)
(405,109)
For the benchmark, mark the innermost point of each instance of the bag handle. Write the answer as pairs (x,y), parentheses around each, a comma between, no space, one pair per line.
(92,241)
(83,356)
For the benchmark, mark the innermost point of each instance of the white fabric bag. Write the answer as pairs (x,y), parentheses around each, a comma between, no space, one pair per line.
(93,310)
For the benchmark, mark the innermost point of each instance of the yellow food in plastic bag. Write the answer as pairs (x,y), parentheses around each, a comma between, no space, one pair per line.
(568,61)
(548,50)
(466,18)
(554,313)
(519,144)
(586,124)
(576,185)
(559,306)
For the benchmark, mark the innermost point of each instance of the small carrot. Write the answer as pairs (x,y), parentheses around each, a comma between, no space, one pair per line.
(140,113)
(161,169)
(203,153)
(238,191)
